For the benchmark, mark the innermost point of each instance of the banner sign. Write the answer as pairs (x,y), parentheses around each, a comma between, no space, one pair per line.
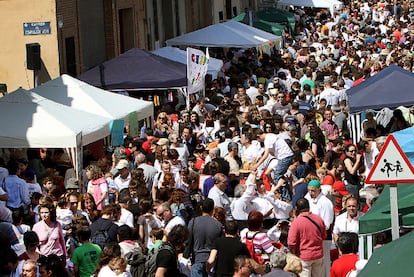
(197,63)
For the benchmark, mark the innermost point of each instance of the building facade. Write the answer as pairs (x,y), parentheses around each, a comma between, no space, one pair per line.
(73,35)
(76,35)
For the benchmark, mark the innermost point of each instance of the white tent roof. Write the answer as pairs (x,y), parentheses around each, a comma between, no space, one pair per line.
(30,121)
(332,5)
(227,34)
(178,55)
(74,93)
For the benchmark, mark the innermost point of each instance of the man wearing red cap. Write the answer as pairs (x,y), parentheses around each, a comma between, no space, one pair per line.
(338,191)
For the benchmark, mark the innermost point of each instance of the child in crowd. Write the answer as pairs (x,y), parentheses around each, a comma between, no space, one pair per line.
(48,185)
(118,266)
(64,215)
(156,236)
(34,207)
(112,191)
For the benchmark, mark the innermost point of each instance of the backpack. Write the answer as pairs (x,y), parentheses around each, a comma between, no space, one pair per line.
(250,246)
(136,260)
(151,259)
(101,237)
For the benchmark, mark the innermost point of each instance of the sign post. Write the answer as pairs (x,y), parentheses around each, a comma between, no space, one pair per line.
(392,167)
(395,224)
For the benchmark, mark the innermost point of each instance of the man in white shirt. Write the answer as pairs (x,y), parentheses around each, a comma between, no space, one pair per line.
(279,147)
(252,90)
(330,94)
(169,220)
(217,194)
(122,180)
(241,207)
(126,216)
(348,221)
(250,151)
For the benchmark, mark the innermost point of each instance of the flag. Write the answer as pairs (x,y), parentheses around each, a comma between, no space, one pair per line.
(197,63)
(156,101)
(133,124)
(117,132)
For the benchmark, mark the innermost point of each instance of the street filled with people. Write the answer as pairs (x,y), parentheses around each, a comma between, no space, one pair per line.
(261,175)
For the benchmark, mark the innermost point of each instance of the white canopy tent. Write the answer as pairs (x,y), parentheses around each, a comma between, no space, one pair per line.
(74,93)
(332,5)
(228,34)
(29,120)
(178,55)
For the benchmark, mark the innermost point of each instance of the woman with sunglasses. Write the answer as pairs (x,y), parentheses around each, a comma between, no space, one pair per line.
(162,126)
(353,166)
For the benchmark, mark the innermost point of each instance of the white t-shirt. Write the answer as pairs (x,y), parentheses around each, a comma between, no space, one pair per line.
(176,220)
(331,96)
(64,216)
(126,218)
(278,146)
(251,153)
(342,224)
(121,183)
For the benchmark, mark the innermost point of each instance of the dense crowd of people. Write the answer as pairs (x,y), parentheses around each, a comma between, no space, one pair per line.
(259,177)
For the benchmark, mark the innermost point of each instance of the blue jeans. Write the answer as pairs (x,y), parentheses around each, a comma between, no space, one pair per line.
(199,270)
(282,167)
(280,171)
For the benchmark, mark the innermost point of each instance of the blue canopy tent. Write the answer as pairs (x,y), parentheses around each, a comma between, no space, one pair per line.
(137,69)
(391,87)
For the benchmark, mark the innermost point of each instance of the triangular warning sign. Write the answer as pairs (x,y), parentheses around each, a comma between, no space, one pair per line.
(391,166)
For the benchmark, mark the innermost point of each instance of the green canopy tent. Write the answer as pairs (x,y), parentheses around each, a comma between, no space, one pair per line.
(270,20)
(378,218)
(278,16)
(240,18)
(275,28)
(393,258)
(270,27)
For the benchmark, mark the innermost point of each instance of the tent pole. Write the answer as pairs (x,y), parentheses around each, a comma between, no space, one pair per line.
(79,162)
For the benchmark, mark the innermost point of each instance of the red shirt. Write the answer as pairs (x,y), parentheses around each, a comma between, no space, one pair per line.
(199,164)
(397,34)
(342,266)
(146,145)
(305,239)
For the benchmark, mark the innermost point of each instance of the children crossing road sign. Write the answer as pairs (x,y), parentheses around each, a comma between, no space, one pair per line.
(391,166)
